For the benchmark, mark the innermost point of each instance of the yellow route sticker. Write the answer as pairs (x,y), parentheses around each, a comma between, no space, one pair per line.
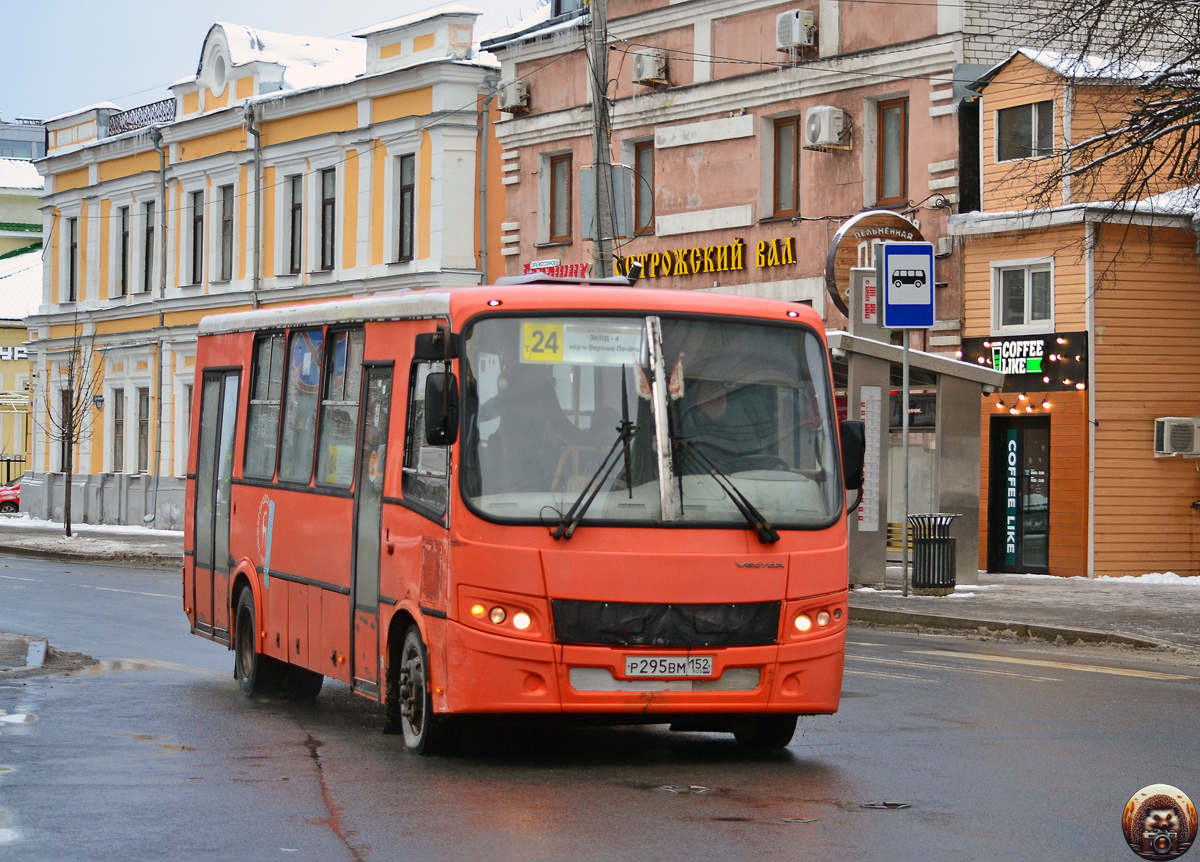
(541,341)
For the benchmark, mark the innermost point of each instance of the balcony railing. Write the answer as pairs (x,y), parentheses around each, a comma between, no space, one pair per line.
(139,118)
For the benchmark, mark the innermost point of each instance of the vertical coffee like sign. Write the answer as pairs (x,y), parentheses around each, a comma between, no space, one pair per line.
(870,411)
(1010,509)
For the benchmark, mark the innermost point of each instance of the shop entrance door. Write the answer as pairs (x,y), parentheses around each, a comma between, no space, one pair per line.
(1019,495)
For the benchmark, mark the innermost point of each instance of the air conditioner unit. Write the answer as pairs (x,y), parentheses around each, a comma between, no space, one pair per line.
(794,29)
(514,95)
(825,126)
(1176,435)
(650,66)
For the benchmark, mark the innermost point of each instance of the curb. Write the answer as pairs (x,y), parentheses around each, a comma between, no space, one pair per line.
(132,559)
(882,617)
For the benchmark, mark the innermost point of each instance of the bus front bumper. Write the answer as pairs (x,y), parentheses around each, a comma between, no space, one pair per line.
(489,673)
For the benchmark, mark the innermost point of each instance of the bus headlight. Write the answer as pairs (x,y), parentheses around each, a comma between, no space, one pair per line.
(803,622)
(521,620)
(823,618)
(497,615)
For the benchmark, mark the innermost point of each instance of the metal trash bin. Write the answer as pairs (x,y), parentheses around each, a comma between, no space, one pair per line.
(933,571)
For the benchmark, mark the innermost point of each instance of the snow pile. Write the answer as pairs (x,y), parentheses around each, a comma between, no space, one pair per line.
(1154,579)
(307,61)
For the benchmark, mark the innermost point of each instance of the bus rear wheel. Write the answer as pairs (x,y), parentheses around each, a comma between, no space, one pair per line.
(257,674)
(425,732)
(767,732)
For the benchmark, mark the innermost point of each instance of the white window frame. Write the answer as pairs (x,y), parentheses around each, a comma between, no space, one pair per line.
(1033,127)
(312,202)
(391,219)
(183,377)
(1028,265)
(68,211)
(212,227)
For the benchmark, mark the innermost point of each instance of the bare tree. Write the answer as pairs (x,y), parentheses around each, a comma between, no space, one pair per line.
(69,415)
(1149,139)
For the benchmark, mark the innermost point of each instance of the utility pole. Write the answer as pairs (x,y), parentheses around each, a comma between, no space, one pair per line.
(601,134)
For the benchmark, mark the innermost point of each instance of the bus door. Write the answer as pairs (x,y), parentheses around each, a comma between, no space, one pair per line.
(214,475)
(368,506)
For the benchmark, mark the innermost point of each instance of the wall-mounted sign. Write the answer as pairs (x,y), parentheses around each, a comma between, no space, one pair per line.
(8,354)
(851,247)
(922,410)
(1055,362)
(98,401)
(779,251)
(559,270)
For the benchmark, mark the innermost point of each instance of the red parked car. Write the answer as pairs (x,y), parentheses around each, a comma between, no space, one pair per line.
(10,497)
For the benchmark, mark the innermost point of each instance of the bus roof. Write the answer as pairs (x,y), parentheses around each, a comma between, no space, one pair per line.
(445,302)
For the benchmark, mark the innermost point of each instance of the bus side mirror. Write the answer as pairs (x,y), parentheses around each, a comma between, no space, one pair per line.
(431,346)
(854,447)
(441,409)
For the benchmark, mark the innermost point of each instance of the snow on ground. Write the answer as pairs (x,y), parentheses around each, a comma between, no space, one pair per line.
(25,521)
(1157,579)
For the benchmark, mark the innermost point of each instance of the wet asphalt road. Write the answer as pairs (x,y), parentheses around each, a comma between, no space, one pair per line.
(1001,750)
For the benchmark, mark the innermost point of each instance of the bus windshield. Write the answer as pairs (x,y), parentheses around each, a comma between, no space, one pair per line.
(733,401)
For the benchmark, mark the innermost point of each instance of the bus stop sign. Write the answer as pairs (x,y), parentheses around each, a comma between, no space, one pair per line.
(905,275)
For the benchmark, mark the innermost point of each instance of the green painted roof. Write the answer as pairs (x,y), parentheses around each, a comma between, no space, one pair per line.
(18,225)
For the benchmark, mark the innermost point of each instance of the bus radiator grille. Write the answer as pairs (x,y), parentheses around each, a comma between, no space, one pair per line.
(665,625)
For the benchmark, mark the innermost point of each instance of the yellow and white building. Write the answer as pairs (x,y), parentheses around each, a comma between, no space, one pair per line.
(287,169)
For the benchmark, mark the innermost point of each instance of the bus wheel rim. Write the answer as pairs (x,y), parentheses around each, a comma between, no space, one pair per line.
(412,692)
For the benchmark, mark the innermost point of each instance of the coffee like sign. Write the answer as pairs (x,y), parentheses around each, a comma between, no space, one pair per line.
(1019,357)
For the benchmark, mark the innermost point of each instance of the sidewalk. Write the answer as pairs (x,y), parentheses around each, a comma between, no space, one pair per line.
(1156,610)
(136,547)
(1150,611)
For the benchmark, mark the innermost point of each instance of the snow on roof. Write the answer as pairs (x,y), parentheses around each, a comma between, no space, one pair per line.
(1080,67)
(535,26)
(417,17)
(1185,201)
(308,61)
(96,107)
(19,174)
(21,285)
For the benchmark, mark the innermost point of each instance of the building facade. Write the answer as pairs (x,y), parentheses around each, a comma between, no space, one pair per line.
(287,169)
(1089,307)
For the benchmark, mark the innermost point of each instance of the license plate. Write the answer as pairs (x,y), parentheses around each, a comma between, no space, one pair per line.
(668,665)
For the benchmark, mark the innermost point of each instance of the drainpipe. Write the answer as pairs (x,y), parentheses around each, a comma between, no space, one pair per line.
(491,81)
(252,128)
(156,139)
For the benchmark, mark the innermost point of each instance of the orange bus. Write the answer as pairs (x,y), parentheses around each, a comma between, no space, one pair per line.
(622,505)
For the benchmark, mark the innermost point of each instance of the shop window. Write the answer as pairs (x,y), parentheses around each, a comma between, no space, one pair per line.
(339,409)
(643,186)
(560,198)
(300,403)
(407,207)
(787,166)
(197,237)
(1024,132)
(226,233)
(891,178)
(262,420)
(1024,296)
(328,214)
(148,248)
(118,431)
(564,7)
(426,477)
(296,225)
(123,255)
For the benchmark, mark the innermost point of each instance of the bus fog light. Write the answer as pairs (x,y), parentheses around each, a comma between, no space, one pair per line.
(823,618)
(478,610)
(803,622)
(497,615)
(837,613)
(521,620)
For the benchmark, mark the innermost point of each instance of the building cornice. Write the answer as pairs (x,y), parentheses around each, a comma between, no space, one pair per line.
(988,224)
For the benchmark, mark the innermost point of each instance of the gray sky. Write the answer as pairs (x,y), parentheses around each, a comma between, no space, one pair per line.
(59,55)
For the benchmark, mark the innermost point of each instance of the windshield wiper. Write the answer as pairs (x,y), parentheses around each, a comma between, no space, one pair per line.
(625,431)
(766,533)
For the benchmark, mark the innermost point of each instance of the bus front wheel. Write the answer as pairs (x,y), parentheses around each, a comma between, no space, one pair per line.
(256,674)
(767,732)
(425,732)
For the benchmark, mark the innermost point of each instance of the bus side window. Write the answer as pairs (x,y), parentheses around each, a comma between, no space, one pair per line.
(262,421)
(301,399)
(425,480)
(339,409)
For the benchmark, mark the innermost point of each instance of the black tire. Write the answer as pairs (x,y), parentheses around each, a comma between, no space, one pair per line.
(257,674)
(767,733)
(411,704)
(301,684)
(8,508)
